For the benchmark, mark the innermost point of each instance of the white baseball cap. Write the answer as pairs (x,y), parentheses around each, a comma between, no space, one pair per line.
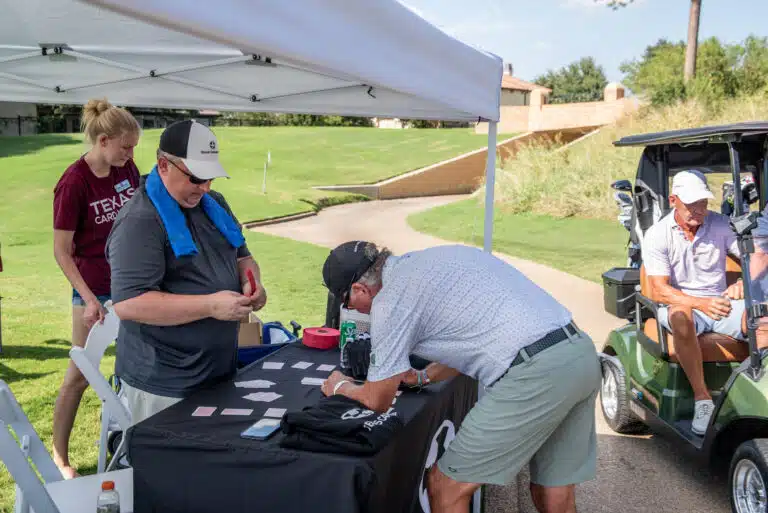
(196,145)
(691,186)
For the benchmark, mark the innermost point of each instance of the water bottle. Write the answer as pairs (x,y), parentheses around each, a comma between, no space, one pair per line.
(109,499)
(348,333)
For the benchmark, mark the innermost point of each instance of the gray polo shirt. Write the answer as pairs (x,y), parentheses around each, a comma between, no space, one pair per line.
(172,361)
(459,306)
(696,267)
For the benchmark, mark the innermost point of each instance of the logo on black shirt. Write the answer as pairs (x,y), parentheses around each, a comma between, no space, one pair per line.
(440,442)
(356,413)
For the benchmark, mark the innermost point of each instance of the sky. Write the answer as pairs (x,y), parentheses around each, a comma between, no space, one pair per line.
(538,35)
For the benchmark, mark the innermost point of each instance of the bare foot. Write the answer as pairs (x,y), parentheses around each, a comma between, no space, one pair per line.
(68,472)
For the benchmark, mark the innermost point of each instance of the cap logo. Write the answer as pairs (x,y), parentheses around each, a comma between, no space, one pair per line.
(212,145)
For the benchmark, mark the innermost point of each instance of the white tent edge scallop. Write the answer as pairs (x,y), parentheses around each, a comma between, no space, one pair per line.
(373,58)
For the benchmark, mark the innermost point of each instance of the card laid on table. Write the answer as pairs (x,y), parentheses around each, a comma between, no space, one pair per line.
(275,413)
(302,365)
(204,411)
(254,383)
(272,365)
(326,368)
(312,381)
(265,397)
(236,411)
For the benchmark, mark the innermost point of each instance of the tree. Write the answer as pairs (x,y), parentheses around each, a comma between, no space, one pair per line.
(657,73)
(689,68)
(752,71)
(579,81)
(693,40)
(616,4)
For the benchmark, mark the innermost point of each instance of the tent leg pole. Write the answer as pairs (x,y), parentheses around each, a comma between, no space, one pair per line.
(490,179)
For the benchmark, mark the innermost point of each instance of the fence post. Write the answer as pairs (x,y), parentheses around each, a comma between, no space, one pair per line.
(19,123)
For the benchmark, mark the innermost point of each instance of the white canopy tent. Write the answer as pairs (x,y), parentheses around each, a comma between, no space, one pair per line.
(343,57)
(371,58)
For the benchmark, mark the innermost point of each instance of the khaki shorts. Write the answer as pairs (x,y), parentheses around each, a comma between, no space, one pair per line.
(541,411)
(143,405)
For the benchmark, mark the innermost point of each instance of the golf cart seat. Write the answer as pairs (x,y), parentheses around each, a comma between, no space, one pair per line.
(714,346)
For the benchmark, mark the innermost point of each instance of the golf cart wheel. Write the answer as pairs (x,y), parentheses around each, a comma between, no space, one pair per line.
(614,401)
(113,441)
(748,477)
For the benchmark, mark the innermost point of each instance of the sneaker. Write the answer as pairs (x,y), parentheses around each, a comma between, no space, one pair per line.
(702,413)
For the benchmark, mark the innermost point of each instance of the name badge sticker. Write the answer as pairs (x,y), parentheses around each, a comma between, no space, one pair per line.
(125,184)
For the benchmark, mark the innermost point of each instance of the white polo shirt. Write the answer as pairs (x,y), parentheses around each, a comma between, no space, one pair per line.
(459,306)
(696,267)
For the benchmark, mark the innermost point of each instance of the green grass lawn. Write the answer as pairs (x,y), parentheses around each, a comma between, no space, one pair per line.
(583,247)
(36,296)
(301,157)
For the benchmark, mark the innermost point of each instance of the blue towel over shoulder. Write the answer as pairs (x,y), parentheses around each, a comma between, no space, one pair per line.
(176,223)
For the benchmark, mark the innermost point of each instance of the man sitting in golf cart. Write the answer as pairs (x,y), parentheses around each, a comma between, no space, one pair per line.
(684,255)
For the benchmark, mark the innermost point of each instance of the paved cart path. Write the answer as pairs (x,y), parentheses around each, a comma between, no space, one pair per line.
(635,474)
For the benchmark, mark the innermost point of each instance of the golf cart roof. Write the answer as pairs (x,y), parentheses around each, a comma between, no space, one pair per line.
(707,134)
(704,148)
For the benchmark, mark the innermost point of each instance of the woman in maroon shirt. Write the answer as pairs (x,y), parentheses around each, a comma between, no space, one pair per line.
(86,201)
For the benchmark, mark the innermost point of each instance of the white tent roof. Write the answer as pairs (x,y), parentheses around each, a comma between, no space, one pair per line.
(346,57)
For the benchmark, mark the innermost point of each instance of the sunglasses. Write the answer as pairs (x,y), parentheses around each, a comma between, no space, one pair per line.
(345,297)
(192,179)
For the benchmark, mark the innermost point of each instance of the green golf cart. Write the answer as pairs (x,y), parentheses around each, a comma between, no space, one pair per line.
(644,386)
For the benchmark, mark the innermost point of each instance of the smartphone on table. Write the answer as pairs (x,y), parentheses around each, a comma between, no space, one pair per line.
(262,429)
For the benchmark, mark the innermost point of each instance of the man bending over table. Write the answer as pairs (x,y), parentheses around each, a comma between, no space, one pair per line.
(179,276)
(471,313)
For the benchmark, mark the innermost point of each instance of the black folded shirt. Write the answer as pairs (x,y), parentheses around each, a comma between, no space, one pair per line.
(339,424)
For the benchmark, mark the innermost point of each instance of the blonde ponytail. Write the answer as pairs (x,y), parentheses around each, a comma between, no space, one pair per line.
(100,117)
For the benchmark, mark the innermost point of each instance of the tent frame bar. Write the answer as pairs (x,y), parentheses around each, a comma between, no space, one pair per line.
(24,80)
(211,64)
(165,74)
(20,57)
(337,88)
(490,181)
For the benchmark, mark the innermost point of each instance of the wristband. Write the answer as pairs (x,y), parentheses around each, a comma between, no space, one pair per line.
(423,377)
(338,386)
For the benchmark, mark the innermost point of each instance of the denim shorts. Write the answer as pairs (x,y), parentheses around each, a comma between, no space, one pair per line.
(77,299)
(730,325)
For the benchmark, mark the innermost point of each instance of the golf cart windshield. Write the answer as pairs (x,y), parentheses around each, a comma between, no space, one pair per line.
(708,149)
(758,266)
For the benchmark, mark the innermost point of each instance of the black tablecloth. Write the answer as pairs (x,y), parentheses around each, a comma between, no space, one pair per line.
(201,464)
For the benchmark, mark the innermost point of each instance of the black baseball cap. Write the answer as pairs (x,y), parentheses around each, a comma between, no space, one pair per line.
(346,264)
(196,145)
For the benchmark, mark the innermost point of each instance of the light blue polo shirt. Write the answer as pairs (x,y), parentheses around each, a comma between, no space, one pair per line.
(459,306)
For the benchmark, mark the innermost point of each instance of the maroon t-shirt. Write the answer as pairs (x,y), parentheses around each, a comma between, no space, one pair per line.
(88,205)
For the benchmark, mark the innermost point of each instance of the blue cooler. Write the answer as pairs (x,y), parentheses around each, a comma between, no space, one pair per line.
(273,336)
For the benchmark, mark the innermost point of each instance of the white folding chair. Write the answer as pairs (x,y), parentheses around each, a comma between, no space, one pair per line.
(88,359)
(49,492)
(30,490)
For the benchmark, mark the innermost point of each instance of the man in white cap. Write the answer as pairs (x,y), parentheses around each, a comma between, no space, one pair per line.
(180,276)
(684,255)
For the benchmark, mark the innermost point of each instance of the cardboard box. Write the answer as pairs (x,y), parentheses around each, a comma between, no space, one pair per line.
(250,332)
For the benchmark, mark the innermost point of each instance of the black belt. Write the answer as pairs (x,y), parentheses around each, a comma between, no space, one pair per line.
(545,342)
